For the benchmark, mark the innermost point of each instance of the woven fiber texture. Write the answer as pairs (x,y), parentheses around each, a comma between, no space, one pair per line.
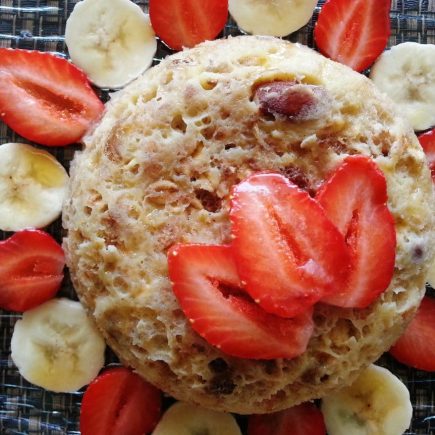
(40,25)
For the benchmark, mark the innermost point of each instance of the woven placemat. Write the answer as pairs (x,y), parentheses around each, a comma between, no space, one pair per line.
(40,25)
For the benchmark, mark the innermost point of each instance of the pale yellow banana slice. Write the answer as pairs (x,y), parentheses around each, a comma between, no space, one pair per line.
(406,73)
(57,347)
(271,17)
(377,403)
(185,419)
(33,185)
(112,41)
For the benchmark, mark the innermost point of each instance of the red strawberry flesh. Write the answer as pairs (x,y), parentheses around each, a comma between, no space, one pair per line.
(427,141)
(416,347)
(185,23)
(231,321)
(119,402)
(303,419)
(44,98)
(287,251)
(355,200)
(31,269)
(353,32)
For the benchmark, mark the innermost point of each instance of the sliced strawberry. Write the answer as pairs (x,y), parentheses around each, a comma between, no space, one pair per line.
(31,269)
(353,32)
(416,347)
(205,281)
(185,23)
(427,141)
(287,251)
(303,419)
(355,198)
(44,98)
(119,402)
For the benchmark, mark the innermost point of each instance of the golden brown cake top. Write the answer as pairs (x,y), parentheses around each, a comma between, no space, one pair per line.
(158,170)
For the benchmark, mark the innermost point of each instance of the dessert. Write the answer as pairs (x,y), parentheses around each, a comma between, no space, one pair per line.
(158,170)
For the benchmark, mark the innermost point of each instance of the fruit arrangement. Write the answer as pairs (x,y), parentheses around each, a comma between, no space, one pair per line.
(48,82)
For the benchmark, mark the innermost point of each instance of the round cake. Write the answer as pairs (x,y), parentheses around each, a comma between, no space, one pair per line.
(158,170)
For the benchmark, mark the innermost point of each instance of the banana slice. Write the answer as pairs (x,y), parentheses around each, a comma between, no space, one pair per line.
(185,419)
(32,187)
(56,346)
(377,403)
(271,17)
(406,73)
(112,41)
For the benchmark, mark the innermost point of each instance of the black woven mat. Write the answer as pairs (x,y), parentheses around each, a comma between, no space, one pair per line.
(40,25)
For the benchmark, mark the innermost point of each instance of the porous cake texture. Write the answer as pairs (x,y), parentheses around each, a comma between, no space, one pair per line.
(158,170)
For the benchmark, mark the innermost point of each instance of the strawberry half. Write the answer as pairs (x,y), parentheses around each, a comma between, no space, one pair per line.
(427,141)
(208,288)
(185,23)
(287,251)
(355,199)
(119,402)
(416,347)
(44,98)
(353,32)
(303,419)
(31,269)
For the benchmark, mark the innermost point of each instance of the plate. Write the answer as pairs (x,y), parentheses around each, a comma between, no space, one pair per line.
(40,25)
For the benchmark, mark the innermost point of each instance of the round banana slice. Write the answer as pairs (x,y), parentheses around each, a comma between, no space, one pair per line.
(57,347)
(33,185)
(377,403)
(112,41)
(185,419)
(274,18)
(406,73)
